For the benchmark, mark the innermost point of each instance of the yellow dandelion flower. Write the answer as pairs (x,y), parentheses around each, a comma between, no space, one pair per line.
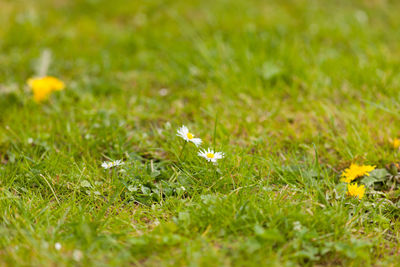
(396,143)
(354,190)
(42,87)
(355,171)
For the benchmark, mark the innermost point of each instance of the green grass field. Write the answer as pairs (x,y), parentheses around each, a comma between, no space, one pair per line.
(292,92)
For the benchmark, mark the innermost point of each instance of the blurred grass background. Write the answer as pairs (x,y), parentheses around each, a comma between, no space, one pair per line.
(314,68)
(283,79)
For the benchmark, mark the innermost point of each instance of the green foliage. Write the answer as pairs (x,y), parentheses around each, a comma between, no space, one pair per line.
(291,91)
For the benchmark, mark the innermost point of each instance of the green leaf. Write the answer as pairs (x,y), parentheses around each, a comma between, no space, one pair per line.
(145,190)
(377,175)
(85,183)
(270,70)
(268,234)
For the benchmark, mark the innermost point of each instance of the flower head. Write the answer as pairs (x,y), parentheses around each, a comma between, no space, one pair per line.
(355,171)
(210,155)
(355,191)
(42,87)
(396,143)
(188,136)
(110,164)
(57,246)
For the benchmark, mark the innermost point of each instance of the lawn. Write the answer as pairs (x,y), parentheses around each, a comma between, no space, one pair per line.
(291,92)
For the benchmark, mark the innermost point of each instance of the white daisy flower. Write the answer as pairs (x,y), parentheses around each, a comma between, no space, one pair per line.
(210,155)
(57,246)
(188,136)
(110,164)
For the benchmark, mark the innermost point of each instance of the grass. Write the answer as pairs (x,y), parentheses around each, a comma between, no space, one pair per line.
(291,91)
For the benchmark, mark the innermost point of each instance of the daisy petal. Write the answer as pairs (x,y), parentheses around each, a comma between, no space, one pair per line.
(210,155)
(196,141)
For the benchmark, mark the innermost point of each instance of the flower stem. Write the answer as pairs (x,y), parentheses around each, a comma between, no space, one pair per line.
(183,148)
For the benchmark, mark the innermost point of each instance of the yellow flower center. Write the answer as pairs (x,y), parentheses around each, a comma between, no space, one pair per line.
(189,135)
(210,155)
